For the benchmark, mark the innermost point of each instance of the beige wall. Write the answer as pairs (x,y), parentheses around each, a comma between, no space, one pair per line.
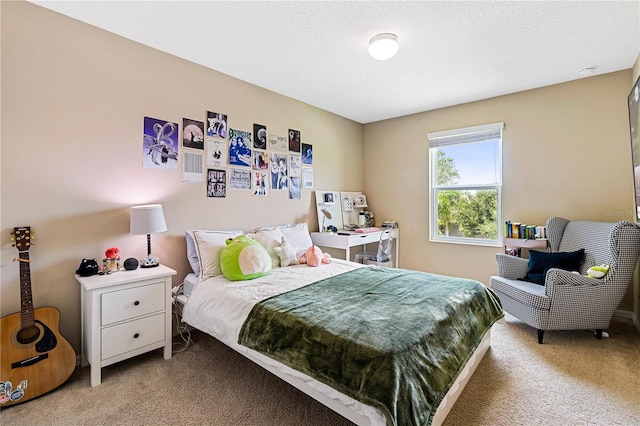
(73,102)
(636,287)
(566,152)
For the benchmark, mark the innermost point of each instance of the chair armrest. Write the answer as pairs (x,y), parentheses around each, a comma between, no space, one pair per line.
(559,277)
(511,267)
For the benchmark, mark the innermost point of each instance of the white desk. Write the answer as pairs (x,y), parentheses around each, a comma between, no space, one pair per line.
(353,239)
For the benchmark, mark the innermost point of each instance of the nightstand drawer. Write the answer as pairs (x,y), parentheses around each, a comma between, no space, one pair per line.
(132,335)
(132,302)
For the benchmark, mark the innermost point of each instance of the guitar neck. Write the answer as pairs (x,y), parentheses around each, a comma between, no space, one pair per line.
(26,299)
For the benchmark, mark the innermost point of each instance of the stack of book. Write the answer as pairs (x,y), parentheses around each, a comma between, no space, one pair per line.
(524,231)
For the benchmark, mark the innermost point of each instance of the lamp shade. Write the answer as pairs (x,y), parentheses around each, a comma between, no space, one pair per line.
(383,46)
(147,219)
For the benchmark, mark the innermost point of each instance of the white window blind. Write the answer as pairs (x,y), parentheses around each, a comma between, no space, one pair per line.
(465,135)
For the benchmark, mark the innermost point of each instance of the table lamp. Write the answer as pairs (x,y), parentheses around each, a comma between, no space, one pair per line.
(148,219)
(326,215)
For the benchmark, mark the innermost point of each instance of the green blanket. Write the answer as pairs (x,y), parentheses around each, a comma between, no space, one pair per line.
(391,338)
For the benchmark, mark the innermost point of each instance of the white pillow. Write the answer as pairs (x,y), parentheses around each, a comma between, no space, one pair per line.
(269,240)
(208,245)
(298,236)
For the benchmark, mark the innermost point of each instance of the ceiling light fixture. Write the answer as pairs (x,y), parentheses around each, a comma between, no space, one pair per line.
(588,71)
(383,46)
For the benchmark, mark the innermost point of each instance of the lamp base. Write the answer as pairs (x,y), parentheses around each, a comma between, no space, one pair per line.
(149,261)
(149,266)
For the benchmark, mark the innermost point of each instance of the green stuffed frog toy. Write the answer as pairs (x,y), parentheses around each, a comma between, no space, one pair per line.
(243,258)
(597,271)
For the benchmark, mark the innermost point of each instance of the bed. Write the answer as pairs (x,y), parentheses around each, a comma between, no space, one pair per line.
(327,331)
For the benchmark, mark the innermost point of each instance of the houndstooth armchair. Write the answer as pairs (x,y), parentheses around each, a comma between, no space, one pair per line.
(568,301)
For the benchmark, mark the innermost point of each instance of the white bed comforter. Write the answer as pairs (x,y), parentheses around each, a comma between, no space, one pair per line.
(219,307)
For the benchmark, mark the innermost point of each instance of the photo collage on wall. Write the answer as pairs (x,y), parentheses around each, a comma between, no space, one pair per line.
(228,158)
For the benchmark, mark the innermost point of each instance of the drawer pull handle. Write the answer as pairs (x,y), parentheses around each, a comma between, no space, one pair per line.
(137,302)
(135,336)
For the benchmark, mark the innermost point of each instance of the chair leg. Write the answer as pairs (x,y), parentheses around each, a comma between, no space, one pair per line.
(540,334)
(599,333)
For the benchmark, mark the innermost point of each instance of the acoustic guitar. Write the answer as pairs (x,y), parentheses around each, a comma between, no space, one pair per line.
(34,357)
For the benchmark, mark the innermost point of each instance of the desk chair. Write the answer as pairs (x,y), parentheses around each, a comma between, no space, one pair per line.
(383,256)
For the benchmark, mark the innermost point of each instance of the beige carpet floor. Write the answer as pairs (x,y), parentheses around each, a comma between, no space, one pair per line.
(572,379)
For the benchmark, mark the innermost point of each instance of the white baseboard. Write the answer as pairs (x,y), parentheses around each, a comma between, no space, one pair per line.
(630,316)
(623,314)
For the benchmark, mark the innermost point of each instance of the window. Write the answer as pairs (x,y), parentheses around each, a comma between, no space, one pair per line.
(465,184)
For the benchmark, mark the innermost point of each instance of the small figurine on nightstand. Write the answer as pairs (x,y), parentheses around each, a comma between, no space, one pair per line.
(111,262)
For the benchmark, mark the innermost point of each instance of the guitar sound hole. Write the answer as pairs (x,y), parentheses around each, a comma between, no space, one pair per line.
(28,335)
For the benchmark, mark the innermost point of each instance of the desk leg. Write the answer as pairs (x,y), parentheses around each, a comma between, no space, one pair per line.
(397,259)
(347,253)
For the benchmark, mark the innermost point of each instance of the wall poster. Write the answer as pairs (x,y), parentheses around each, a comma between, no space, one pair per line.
(216,183)
(160,144)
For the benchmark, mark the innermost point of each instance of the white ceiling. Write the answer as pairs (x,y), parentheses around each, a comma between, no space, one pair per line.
(451,52)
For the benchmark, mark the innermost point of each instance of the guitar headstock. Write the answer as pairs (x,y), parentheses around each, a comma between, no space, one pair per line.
(22,237)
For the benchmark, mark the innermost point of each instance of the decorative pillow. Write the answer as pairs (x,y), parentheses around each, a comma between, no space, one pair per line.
(540,262)
(269,240)
(298,236)
(286,253)
(243,258)
(192,250)
(208,245)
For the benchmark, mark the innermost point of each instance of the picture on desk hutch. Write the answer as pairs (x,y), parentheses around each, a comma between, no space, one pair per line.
(360,201)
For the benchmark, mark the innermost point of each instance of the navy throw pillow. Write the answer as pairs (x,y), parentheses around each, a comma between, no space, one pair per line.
(540,262)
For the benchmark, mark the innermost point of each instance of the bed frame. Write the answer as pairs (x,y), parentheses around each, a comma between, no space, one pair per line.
(356,417)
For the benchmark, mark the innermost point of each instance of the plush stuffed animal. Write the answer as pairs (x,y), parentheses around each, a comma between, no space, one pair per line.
(314,257)
(287,253)
(244,258)
(597,271)
(112,253)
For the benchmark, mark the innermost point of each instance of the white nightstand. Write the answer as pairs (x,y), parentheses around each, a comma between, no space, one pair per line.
(125,314)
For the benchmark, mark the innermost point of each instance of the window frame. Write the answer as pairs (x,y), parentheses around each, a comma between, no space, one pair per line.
(459,137)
